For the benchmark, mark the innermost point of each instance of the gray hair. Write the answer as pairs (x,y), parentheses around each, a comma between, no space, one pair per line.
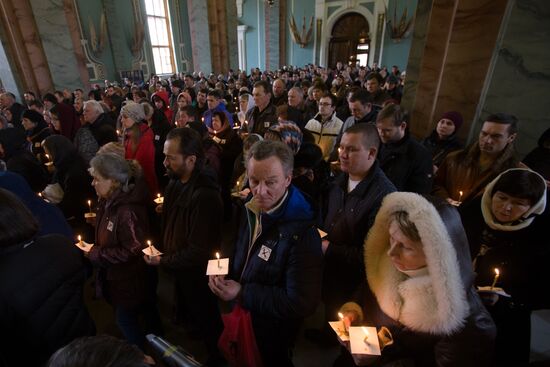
(114,167)
(265,149)
(298,90)
(94,106)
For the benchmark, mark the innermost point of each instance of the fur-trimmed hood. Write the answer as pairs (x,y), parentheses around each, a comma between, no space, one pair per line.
(435,303)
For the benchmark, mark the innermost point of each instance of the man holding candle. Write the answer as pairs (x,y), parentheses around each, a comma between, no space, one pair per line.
(192,215)
(470,170)
(277,266)
(353,201)
(507,231)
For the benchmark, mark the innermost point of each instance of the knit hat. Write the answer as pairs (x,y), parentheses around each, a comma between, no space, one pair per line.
(455,117)
(289,133)
(134,111)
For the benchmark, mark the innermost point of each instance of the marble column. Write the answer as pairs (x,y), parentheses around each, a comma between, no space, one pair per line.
(271,14)
(200,39)
(232,25)
(520,78)
(21,40)
(460,39)
(241,42)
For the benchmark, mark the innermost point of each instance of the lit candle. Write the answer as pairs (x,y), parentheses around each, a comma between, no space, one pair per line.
(460,196)
(218,257)
(90,205)
(158,196)
(215,132)
(341,316)
(495,279)
(150,248)
(40,194)
(202,119)
(366,331)
(47,156)
(118,132)
(80,239)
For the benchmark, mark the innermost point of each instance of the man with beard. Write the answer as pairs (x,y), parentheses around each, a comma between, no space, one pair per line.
(192,216)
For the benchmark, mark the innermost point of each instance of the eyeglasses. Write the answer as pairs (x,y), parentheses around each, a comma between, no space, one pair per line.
(325,104)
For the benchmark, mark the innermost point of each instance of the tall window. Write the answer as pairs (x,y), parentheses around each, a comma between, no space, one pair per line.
(159,33)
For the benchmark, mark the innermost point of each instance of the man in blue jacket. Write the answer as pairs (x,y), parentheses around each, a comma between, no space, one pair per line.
(277,266)
(215,103)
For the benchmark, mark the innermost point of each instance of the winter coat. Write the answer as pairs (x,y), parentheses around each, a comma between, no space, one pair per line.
(407,164)
(85,143)
(70,123)
(49,217)
(41,299)
(436,318)
(520,250)
(461,171)
(347,222)
(121,228)
(20,160)
(219,108)
(280,272)
(103,129)
(35,136)
(163,95)
(144,153)
(439,148)
(325,133)
(260,122)
(192,216)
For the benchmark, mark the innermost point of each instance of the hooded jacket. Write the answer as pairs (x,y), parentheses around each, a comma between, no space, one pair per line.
(219,108)
(163,95)
(520,250)
(144,153)
(437,318)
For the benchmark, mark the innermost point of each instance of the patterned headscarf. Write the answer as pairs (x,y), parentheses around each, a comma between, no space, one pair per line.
(287,132)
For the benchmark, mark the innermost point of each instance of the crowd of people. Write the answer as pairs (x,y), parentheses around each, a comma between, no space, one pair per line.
(312,184)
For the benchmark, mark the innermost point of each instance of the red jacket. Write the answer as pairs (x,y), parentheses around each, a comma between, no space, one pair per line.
(145,155)
(163,95)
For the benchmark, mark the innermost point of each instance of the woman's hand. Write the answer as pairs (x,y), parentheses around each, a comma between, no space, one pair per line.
(152,260)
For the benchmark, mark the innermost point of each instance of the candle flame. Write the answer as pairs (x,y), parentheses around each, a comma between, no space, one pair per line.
(460,192)
(217,255)
(341,315)
(158,195)
(497,272)
(89,202)
(79,238)
(148,243)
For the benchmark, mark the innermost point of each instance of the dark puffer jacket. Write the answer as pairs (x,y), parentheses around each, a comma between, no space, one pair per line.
(41,299)
(435,317)
(281,288)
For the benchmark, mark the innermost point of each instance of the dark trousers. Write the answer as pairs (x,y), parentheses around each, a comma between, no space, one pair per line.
(201,306)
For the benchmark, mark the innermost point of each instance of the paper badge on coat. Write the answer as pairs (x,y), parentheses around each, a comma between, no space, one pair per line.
(265,253)
(110,226)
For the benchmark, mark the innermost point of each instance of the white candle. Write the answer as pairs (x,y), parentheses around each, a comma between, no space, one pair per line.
(150,247)
(495,279)
(218,257)
(366,331)
(341,316)
(460,196)
(80,239)
(90,205)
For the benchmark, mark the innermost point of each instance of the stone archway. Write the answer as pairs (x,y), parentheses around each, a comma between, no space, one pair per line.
(348,31)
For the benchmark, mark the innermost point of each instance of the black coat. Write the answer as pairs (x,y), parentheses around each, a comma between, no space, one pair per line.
(407,164)
(440,148)
(348,219)
(259,122)
(103,129)
(192,216)
(41,299)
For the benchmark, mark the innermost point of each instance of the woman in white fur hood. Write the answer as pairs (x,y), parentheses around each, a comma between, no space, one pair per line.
(420,287)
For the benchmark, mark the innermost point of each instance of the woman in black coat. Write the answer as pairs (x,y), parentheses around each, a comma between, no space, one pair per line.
(507,230)
(36,130)
(72,176)
(443,138)
(41,289)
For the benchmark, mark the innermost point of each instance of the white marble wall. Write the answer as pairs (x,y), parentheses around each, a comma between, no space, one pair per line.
(520,83)
(56,42)
(200,36)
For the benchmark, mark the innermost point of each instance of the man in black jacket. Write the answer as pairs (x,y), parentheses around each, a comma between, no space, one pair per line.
(405,161)
(264,114)
(192,216)
(101,124)
(353,201)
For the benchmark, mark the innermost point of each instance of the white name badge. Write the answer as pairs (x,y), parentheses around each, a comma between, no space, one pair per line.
(265,253)
(267,123)
(157,137)
(110,226)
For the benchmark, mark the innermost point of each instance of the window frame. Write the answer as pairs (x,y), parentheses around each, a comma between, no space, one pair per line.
(170,46)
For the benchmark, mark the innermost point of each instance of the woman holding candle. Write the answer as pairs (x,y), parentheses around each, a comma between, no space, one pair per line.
(123,279)
(420,287)
(507,230)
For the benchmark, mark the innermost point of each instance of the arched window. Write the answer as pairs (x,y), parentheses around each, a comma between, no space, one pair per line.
(158,21)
